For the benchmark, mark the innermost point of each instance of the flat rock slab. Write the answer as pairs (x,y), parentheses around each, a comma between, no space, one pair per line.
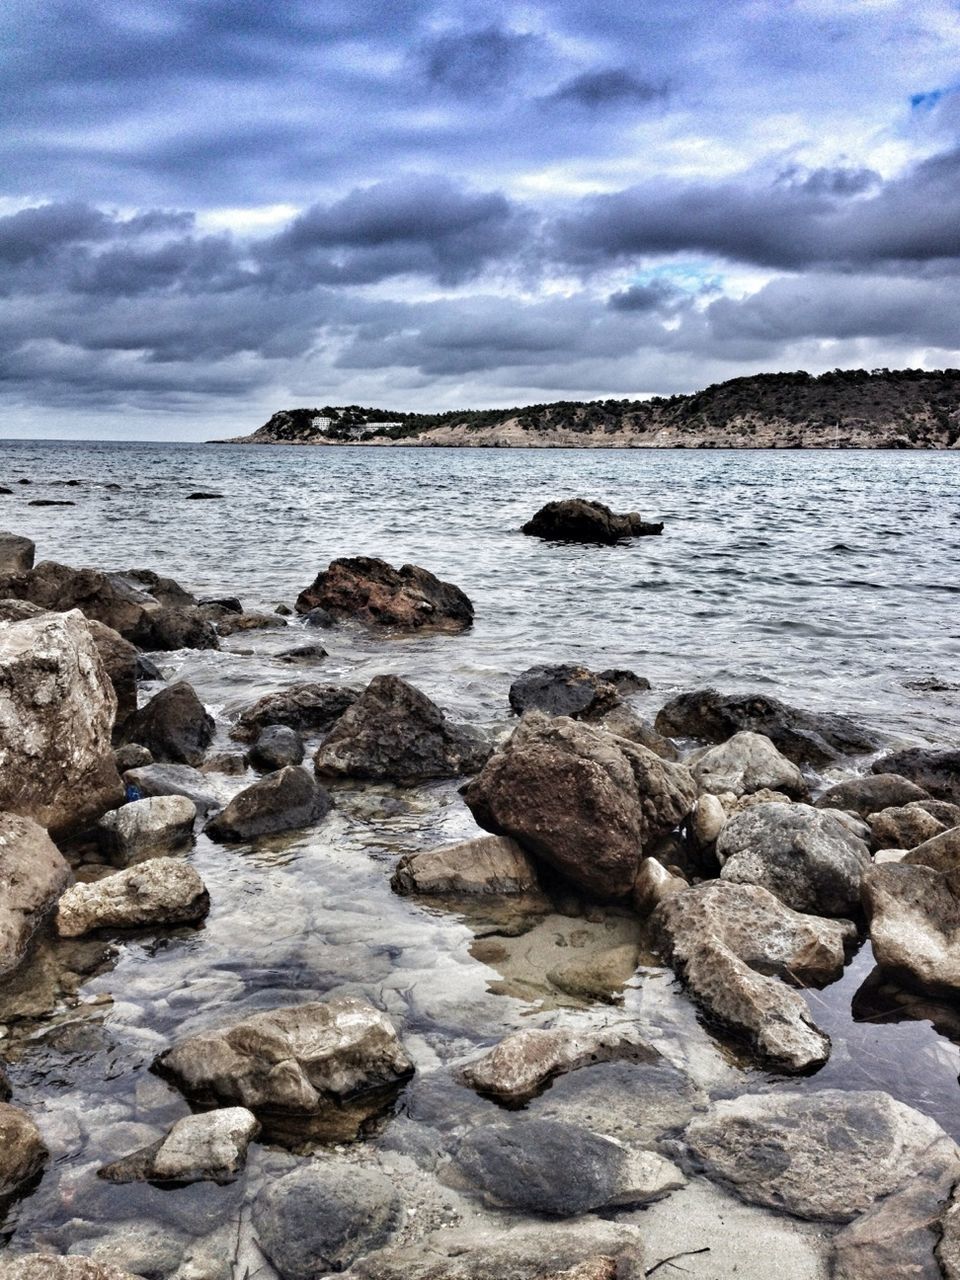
(489,865)
(147,828)
(373,592)
(162,891)
(33,873)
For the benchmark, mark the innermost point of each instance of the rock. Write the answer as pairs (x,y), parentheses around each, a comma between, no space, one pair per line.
(16,553)
(5,1089)
(321,1218)
(51,502)
(175,780)
(231,623)
(22,1151)
(283,611)
(580,800)
(393,732)
(57,708)
(319,618)
(903,827)
(729,942)
(547,1166)
(707,820)
(562,690)
(226,604)
(308,708)
(131,756)
(277,746)
(745,763)
(45,1266)
(162,891)
(147,828)
(303,653)
(941,852)
(286,800)
(372,592)
(805,737)
(232,763)
(624,681)
(625,723)
(602,1267)
(167,592)
(174,725)
(827,1154)
(147,670)
(119,658)
(209,1147)
(33,873)
(654,883)
(948,1250)
(19,610)
(599,976)
(489,865)
(914,917)
(801,854)
(581,520)
(291,1059)
(871,793)
(172,629)
(936,771)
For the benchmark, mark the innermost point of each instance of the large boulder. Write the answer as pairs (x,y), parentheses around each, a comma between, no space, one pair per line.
(147,828)
(872,792)
(285,800)
(119,658)
(373,592)
(729,943)
(16,553)
(805,737)
(582,520)
(291,1059)
(828,1155)
(746,763)
(393,732)
(208,1147)
(489,865)
(22,1151)
(580,800)
(162,891)
(174,725)
(914,917)
(57,708)
(33,873)
(563,690)
(308,708)
(805,856)
(936,770)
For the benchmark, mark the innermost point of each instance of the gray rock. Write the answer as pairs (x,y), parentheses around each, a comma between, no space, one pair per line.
(321,1218)
(583,520)
(287,800)
(941,852)
(119,658)
(162,891)
(45,1266)
(33,873)
(308,708)
(489,865)
(562,690)
(131,756)
(174,725)
(146,669)
(22,1151)
(147,828)
(803,855)
(706,821)
(625,723)
(176,780)
(303,653)
(209,1147)
(828,1154)
(16,553)
(914,918)
(871,793)
(936,771)
(277,746)
(745,763)
(903,827)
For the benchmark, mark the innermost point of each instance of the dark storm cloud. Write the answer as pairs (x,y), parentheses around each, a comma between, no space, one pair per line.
(644,297)
(475,61)
(611,86)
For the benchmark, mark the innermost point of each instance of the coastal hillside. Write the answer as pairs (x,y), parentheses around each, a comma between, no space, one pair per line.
(848,408)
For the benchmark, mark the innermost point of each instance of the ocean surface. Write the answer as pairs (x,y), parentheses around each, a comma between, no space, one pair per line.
(826,578)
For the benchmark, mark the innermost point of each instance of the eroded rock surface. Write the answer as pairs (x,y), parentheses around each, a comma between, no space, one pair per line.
(208,1147)
(33,874)
(745,763)
(489,865)
(162,891)
(373,592)
(914,917)
(904,827)
(176,780)
(45,1266)
(285,800)
(22,1151)
(582,520)
(308,708)
(147,828)
(174,725)
(871,793)
(563,690)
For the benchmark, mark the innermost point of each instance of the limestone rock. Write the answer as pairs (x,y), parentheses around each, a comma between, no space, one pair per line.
(582,520)
(174,726)
(286,800)
(706,821)
(208,1147)
(948,1250)
(941,852)
(277,746)
(654,883)
(489,865)
(623,722)
(871,793)
(745,763)
(147,828)
(903,827)
(16,553)
(33,873)
(373,592)
(562,690)
(45,1266)
(308,708)
(162,891)
(936,770)
(22,1151)
(914,917)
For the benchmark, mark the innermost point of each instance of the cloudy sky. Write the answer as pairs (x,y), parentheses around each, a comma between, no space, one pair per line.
(212,209)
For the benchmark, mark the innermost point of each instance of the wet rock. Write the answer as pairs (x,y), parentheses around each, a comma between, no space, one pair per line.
(231,623)
(147,670)
(147,828)
(202,497)
(283,611)
(599,976)
(322,618)
(582,520)
(654,883)
(580,800)
(489,865)
(914,918)
(225,604)
(562,690)
(827,1154)
(45,1266)
(624,680)
(232,763)
(175,780)
(805,737)
(292,1059)
(903,827)
(308,708)
(162,891)
(277,746)
(209,1147)
(393,732)
(745,763)
(16,553)
(285,800)
(33,873)
(803,855)
(51,502)
(22,1151)
(936,771)
(119,658)
(729,942)
(172,629)
(303,653)
(625,723)
(167,592)
(321,1218)
(373,592)
(5,1090)
(871,793)
(131,756)
(57,707)
(174,725)
(18,610)
(546,1166)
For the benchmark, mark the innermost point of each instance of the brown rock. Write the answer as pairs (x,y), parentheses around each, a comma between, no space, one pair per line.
(33,873)
(306,707)
(22,1151)
(371,591)
(582,520)
(16,553)
(914,917)
(489,865)
(902,827)
(174,725)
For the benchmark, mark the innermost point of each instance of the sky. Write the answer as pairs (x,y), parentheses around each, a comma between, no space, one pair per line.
(214,209)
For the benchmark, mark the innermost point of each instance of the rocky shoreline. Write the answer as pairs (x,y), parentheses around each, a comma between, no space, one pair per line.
(643,907)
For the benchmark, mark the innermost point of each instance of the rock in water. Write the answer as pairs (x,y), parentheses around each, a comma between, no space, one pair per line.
(57,708)
(285,800)
(174,725)
(746,763)
(147,828)
(176,780)
(729,943)
(329,1051)
(209,1147)
(828,1154)
(33,874)
(308,708)
(373,592)
(914,917)
(45,1266)
(805,737)
(16,553)
(278,745)
(22,1152)
(936,771)
(163,891)
(564,690)
(490,865)
(580,800)
(871,793)
(393,732)
(581,520)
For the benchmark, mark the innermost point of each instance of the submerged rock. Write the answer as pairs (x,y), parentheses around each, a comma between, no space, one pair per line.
(489,865)
(914,916)
(174,725)
(162,891)
(582,520)
(16,553)
(373,592)
(277,746)
(746,763)
(601,975)
(22,1151)
(33,873)
(308,708)
(563,690)
(393,732)
(871,793)
(936,771)
(147,828)
(285,800)
(209,1147)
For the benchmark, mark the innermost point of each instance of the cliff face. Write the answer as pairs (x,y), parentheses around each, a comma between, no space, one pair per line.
(853,409)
